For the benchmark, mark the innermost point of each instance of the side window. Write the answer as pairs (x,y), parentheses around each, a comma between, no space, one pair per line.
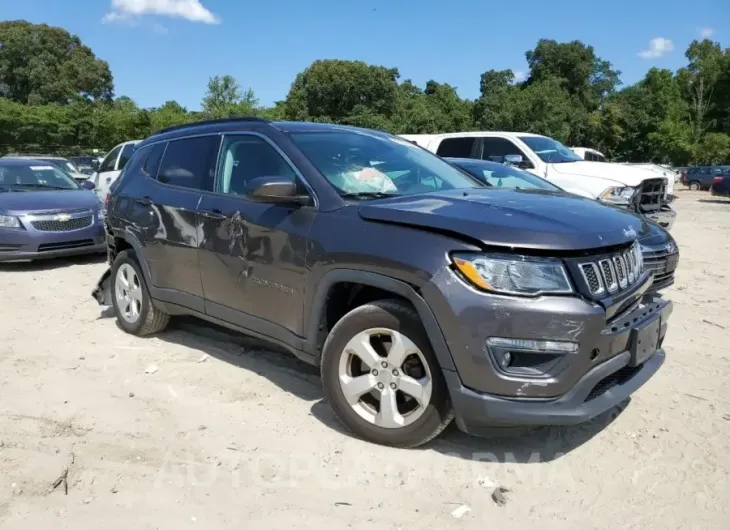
(456,147)
(151,164)
(110,160)
(189,163)
(589,156)
(145,161)
(246,157)
(495,149)
(127,151)
(600,158)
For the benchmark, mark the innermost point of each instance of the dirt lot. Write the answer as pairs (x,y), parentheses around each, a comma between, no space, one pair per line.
(183,431)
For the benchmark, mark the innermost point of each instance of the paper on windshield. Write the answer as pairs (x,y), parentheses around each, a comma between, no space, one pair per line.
(41,168)
(368,179)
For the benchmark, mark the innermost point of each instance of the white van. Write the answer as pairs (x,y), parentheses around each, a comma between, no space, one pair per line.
(632,187)
(111,167)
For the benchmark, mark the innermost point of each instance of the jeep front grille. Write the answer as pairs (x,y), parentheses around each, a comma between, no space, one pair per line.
(614,273)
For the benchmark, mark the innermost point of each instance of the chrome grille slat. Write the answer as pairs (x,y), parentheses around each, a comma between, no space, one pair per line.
(609,276)
(613,273)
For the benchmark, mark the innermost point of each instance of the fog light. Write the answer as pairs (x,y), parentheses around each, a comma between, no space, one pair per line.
(528,357)
(506,359)
(547,346)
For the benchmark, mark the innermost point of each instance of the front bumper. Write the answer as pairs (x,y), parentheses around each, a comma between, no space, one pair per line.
(634,342)
(542,387)
(27,243)
(600,390)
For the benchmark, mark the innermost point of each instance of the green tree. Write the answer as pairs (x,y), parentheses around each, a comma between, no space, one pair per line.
(581,73)
(224,99)
(339,91)
(42,64)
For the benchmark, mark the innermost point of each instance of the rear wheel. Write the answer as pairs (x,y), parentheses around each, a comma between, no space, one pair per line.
(381,377)
(694,186)
(131,299)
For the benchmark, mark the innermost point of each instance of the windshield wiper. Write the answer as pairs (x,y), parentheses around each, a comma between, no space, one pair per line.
(367,195)
(43,186)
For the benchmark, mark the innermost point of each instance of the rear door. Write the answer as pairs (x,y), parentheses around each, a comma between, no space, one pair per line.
(253,254)
(168,207)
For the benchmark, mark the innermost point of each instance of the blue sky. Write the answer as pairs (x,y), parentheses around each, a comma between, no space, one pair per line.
(160,50)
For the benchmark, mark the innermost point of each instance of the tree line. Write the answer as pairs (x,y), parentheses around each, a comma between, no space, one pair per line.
(56,95)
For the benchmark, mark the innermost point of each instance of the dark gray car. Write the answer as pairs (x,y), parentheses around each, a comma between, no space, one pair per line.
(421,294)
(44,213)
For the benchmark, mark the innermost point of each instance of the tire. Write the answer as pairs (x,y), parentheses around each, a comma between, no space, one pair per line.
(150,320)
(694,186)
(419,426)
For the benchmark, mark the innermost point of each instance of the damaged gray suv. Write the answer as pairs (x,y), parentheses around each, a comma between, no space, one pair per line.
(422,295)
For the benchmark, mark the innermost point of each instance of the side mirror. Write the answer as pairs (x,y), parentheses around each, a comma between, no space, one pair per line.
(87,184)
(513,160)
(276,190)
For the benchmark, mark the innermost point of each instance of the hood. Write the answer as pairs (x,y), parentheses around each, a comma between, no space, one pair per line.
(18,203)
(531,219)
(619,173)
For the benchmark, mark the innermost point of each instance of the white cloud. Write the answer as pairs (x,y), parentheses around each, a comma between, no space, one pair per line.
(192,10)
(707,33)
(657,47)
(519,76)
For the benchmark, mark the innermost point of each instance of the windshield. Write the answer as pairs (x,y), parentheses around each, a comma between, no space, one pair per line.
(65,165)
(550,150)
(366,165)
(34,177)
(503,176)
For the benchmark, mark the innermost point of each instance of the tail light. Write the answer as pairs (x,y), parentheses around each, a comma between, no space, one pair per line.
(717,180)
(684,176)
(107,200)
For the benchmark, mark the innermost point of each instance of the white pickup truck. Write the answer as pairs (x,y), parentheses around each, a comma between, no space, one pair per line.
(631,187)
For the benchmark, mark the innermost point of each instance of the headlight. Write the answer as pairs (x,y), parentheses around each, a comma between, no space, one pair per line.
(621,195)
(519,275)
(9,221)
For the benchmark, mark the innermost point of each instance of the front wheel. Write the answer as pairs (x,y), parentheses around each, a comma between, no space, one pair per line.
(381,377)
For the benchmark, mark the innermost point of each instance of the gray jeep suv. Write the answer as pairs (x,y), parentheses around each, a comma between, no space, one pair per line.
(421,294)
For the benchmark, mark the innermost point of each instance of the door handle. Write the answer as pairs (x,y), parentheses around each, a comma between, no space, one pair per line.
(144,201)
(213,214)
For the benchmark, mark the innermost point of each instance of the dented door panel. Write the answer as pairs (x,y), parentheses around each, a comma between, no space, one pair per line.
(253,262)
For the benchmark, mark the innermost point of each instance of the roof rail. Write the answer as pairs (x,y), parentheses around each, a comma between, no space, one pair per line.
(210,122)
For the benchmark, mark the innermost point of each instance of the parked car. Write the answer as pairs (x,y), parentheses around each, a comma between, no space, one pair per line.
(633,188)
(591,155)
(111,167)
(86,164)
(64,164)
(658,247)
(702,177)
(721,186)
(421,294)
(44,213)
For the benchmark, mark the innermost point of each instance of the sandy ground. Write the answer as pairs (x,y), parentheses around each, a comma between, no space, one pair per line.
(189,431)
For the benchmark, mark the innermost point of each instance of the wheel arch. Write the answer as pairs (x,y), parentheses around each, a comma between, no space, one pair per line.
(317,314)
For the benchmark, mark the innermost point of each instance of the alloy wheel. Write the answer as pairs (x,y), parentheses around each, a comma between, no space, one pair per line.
(385,378)
(128,293)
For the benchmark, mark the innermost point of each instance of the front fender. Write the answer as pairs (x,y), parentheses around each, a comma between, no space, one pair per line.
(386,283)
